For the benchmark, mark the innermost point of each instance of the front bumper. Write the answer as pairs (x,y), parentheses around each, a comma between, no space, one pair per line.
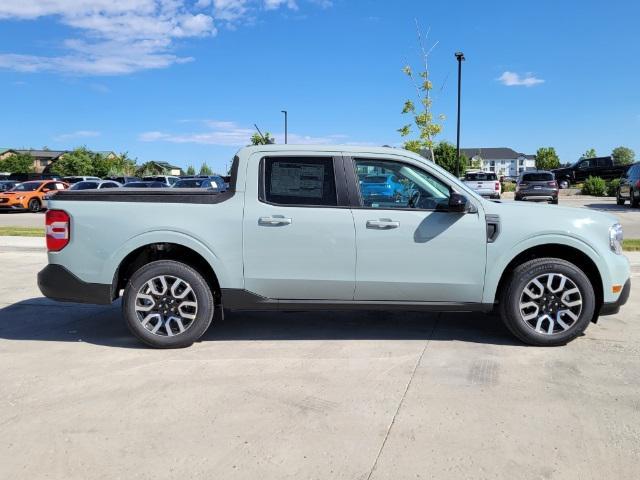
(611,308)
(58,283)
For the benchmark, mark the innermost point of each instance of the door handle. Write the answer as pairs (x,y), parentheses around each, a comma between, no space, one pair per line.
(274,221)
(382,224)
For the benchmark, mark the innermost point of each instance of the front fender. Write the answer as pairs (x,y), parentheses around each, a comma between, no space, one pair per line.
(169,236)
(497,265)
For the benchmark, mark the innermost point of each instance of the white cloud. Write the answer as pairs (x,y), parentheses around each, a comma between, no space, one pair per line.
(77,134)
(226,133)
(512,79)
(115,37)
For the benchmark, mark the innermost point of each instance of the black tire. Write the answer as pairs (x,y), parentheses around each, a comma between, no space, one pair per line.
(520,278)
(199,287)
(564,184)
(619,199)
(554,201)
(34,205)
(634,202)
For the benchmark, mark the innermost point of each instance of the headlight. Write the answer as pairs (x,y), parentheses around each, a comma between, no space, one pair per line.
(615,238)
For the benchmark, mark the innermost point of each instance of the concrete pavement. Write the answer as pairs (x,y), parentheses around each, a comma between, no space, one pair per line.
(309,395)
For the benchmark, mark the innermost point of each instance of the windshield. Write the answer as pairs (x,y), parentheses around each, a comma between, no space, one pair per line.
(26,187)
(84,186)
(188,184)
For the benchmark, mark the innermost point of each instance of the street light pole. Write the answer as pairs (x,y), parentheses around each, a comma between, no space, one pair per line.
(285,125)
(460,58)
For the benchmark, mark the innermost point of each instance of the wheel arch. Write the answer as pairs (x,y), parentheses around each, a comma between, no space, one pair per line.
(570,253)
(151,252)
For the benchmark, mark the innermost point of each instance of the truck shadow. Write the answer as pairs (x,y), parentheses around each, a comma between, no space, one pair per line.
(41,319)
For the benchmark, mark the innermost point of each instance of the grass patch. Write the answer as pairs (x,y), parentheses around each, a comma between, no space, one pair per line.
(21,232)
(631,244)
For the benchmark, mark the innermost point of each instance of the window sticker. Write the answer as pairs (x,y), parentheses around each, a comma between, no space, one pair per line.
(297,179)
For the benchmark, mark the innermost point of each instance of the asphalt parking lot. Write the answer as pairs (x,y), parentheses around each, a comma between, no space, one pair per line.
(309,395)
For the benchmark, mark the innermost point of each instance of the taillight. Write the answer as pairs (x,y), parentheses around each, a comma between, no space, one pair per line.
(58,229)
(638,184)
(497,186)
(553,184)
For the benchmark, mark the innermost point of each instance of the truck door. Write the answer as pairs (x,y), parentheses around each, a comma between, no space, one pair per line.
(409,246)
(298,230)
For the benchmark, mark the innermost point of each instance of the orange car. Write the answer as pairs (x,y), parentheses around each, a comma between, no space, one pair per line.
(30,195)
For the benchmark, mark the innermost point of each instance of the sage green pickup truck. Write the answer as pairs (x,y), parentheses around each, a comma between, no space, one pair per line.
(297,230)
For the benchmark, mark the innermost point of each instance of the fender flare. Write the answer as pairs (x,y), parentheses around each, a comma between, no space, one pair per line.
(497,267)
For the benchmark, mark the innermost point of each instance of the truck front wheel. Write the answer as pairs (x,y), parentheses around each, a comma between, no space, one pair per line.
(547,302)
(167,304)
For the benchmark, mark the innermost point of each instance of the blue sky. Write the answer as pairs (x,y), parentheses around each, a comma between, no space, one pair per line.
(185,80)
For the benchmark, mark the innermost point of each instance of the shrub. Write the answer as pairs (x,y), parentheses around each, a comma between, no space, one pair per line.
(508,187)
(612,187)
(595,186)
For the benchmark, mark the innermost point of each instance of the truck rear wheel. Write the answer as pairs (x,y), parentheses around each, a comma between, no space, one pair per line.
(547,302)
(167,304)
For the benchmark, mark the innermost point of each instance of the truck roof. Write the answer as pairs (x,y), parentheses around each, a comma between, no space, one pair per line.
(328,148)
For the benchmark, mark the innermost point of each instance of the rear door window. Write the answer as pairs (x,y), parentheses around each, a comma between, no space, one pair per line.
(304,181)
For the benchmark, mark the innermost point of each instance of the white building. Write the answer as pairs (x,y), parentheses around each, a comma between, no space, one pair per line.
(501,160)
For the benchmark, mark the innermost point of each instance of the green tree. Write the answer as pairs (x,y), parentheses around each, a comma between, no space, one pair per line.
(122,165)
(547,158)
(17,163)
(257,139)
(420,109)
(76,162)
(205,169)
(623,156)
(191,170)
(591,153)
(101,165)
(446,155)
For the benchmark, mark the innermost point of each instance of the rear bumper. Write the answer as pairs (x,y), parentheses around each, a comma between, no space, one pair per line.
(58,283)
(611,308)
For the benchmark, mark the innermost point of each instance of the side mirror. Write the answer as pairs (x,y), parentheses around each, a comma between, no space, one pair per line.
(458,203)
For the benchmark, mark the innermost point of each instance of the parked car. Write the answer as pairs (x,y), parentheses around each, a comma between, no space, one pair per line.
(146,185)
(383,187)
(169,180)
(7,185)
(30,195)
(205,183)
(124,179)
(94,185)
(297,231)
(75,179)
(219,181)
(629,189)
(603,167)
(538,185)
(485,184)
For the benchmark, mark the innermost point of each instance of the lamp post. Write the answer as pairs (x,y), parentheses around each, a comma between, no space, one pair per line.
(460,58)
(285,125)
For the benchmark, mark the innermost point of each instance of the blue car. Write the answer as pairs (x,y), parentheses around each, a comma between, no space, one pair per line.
(381,187)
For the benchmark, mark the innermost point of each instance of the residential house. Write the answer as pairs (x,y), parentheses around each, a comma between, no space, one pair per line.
(41,158)
(501,161)
(163,168)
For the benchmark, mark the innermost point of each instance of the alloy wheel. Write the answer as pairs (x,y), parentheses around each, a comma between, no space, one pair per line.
(166,305)
(550,303)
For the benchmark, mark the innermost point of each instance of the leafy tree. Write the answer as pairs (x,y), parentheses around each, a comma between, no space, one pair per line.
(547,158)
(76,162)
(205,169)
(445,156)
(101,165)
(191,170)
(122,165)
(623,156)
(17,163)
(591,153)
(257,139)
(420,110)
